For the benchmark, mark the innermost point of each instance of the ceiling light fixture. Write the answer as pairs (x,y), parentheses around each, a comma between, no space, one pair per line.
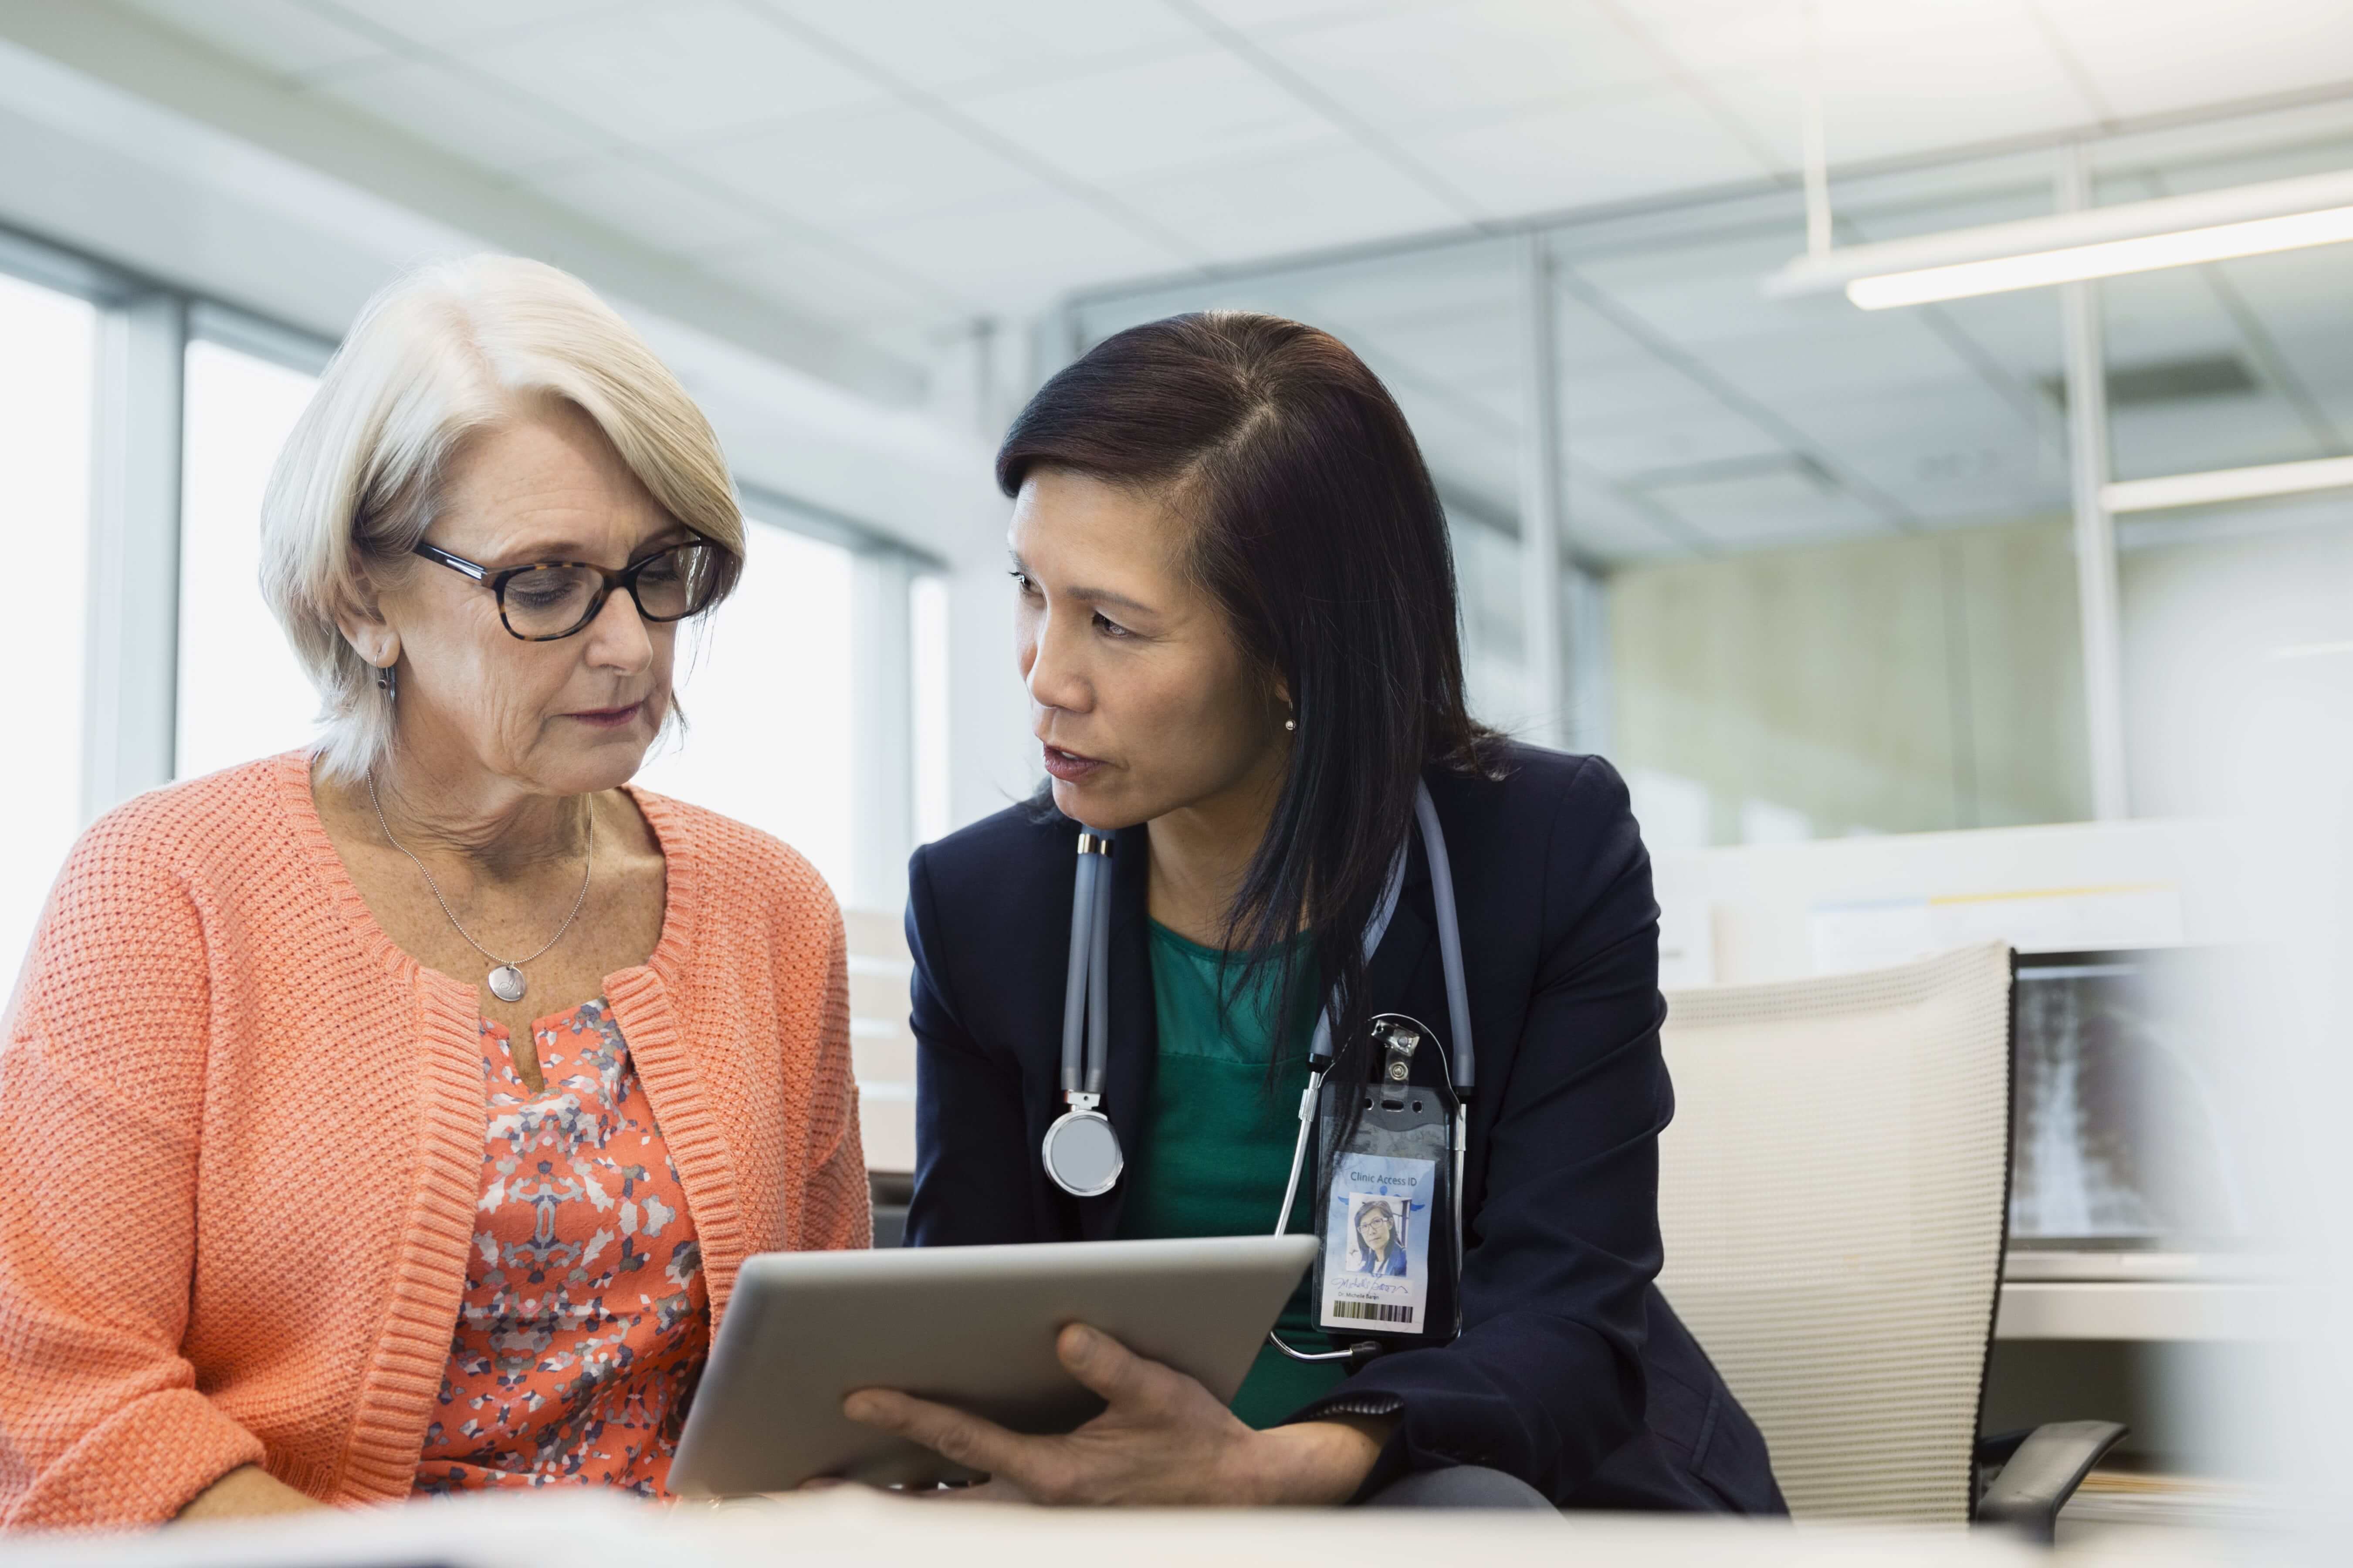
(2066,248)
(2226,485)
(2109,259)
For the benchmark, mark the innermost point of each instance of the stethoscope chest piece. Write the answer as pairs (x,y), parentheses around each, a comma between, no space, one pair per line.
(1081,1153)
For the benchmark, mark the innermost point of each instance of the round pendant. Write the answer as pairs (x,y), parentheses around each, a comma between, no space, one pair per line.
(1082,1153)
(506,983)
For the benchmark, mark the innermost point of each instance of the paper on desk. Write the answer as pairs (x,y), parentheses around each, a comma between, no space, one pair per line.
(1872,935)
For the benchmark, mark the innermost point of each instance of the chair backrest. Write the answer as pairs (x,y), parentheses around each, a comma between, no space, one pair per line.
(1832,1192)
(882,1045)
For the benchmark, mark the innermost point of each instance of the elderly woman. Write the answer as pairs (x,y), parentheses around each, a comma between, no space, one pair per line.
(393,1117)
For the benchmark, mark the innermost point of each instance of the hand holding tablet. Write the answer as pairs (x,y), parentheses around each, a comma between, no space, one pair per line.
(974,1349)
(1162,1440)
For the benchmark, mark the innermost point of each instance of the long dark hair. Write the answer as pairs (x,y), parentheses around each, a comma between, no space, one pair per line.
(1315,527)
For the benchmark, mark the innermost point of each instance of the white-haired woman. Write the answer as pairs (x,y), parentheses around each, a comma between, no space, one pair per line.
(393,1116)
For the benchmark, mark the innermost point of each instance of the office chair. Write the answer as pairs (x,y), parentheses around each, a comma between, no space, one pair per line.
(1834,1192)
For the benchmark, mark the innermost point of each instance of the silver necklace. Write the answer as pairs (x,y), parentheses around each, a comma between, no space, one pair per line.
(505,979)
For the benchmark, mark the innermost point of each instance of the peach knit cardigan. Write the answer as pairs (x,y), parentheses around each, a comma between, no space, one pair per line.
(244,1136)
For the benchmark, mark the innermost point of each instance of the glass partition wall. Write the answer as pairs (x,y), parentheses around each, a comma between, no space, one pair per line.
(1817,564)
(2226,367)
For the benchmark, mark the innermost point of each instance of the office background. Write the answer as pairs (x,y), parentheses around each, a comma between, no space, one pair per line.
(1809,573)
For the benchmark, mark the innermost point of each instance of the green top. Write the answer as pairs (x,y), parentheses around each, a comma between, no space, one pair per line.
(1216,1140)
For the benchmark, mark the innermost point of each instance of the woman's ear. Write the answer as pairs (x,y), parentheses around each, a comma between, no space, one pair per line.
(371,635)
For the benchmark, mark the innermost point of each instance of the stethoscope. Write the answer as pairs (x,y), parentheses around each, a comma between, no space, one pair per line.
(1082,1152)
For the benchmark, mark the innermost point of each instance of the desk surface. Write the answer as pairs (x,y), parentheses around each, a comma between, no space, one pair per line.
(2141,1309)
(852,1528)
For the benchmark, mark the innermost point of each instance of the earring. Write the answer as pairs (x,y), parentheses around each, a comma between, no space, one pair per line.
(387,680)
(1291,724)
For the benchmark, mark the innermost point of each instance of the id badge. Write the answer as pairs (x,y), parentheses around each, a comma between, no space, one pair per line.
(1377,1225)
(1388,1267)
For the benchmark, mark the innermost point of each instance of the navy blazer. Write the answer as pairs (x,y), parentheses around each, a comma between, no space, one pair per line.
(1571,1372)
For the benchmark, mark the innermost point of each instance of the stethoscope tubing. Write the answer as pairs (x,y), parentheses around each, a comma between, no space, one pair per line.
(1464,1062)
(1086,999)
(1086,1010)
(1099,982)
(1074,996)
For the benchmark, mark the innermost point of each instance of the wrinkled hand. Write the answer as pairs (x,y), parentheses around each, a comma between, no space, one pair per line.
(1163,1441)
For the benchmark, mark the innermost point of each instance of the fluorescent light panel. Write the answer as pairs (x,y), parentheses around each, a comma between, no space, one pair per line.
(2094,242)
(2227,485)
(2110,259)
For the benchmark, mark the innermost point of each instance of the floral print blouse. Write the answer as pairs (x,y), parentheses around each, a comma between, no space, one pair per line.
(586,1320)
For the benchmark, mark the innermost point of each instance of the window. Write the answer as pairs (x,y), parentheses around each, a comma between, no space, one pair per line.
(928,612)
(46,399)
(764,683)
(241,693)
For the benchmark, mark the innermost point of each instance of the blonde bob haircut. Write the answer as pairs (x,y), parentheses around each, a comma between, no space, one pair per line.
(448,351)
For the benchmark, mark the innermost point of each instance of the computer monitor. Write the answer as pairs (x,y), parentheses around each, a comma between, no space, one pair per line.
(2125,1134)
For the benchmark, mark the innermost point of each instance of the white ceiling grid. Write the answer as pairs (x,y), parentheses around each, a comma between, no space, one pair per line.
(1075,140)
(899,165)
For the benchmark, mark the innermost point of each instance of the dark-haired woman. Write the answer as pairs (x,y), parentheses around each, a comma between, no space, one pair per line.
(1237,621)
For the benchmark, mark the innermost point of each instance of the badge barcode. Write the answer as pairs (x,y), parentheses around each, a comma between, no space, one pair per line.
(1378,1311)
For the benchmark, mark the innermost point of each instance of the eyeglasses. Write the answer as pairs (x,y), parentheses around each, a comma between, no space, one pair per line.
(552,599)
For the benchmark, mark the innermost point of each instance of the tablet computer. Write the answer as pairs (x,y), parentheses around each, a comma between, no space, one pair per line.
(968,1326)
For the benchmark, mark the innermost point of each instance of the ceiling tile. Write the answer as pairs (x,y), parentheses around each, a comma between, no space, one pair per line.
(1599,525)
(2019,331)
(2213,433)
(1264,17)
(2300,296)
(1469,62)
(941,44)
(1475,350)
(2150,55)
(278,36)
(2171,314)
(1946,450)
(1784,370)
(1684,437)
(1895,78)
(862,166)
(1596,397)
(1699,293)
(1781,505)
(2307,139)
(1116,125)
(1460,300)
(1915,111)
(464,116)
(1305,199)
(1720,33)
(1555,158)
(1019,251)
(832,281)
(649,202)
(445,21)
(678,71)
(1909,205)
